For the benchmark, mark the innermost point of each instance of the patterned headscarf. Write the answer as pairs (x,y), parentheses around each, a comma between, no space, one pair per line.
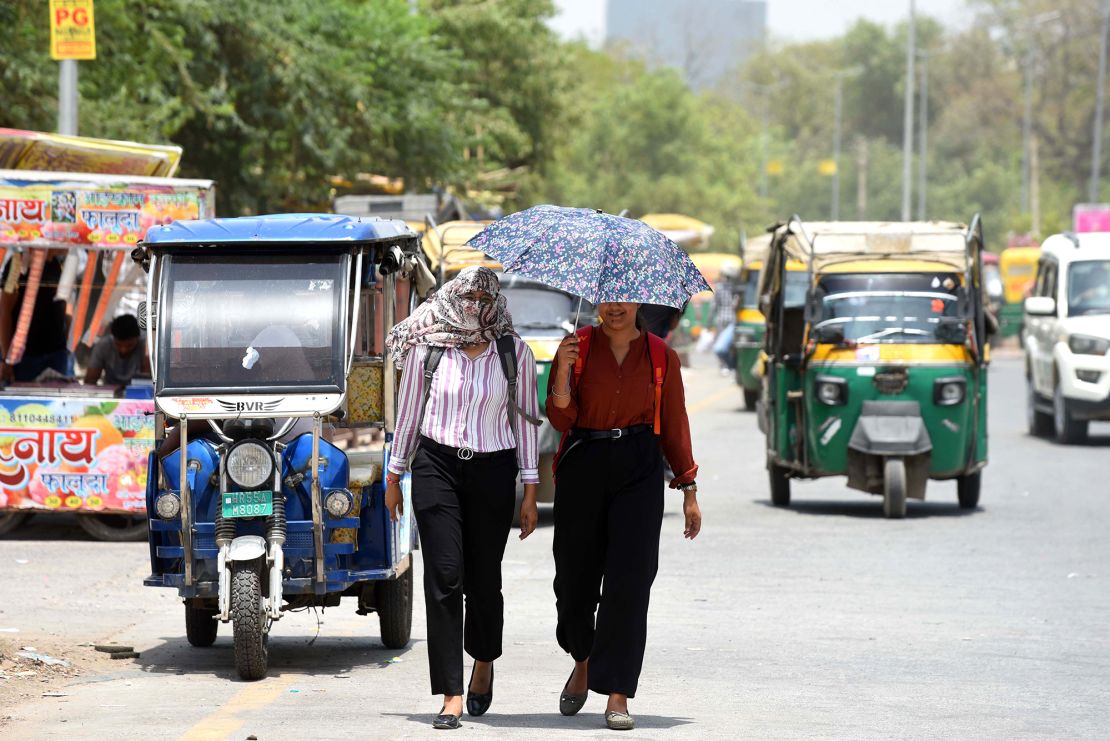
(448,319)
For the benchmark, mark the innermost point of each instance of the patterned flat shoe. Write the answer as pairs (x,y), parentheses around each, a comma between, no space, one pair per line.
(619,721)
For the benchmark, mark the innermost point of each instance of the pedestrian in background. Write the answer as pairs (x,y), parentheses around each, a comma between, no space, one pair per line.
(609,495)
(726,300)
(465,437)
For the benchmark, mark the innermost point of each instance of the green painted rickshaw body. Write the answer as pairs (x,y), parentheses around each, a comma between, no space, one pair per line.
(958,432)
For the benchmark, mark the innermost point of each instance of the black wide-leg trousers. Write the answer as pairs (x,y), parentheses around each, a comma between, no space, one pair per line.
(608,514)
(464,511)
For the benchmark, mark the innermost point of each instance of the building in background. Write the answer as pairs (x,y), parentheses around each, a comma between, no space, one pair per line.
(706,39)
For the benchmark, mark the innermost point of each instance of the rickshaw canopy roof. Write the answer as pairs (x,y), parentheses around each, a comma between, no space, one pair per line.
(829,243)
(757,248)
(681,229)
(280,228)
(447,243)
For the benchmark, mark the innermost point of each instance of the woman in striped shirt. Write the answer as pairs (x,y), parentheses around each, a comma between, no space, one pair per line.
(457,435)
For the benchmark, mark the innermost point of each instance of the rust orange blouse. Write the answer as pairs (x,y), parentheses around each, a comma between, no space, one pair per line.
(610,396)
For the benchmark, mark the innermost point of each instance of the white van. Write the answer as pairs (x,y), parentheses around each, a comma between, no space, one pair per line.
(1067,337)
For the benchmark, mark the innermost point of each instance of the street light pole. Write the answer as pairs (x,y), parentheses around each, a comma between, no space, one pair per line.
(1027,117)
(1096,150)
(907,124)
(838,107)
(923,156)
(67,97)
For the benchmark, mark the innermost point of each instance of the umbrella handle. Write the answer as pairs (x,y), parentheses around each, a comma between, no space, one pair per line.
(578,362)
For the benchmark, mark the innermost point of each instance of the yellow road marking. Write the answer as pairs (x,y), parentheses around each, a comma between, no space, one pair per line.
(229,718)
(702,404)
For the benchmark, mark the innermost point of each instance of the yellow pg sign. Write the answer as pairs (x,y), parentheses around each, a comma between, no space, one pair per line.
(72,31)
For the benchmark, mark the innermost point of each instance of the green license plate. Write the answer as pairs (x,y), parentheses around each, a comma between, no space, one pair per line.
(248,503)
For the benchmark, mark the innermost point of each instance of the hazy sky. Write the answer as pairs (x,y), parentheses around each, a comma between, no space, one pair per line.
(788,19)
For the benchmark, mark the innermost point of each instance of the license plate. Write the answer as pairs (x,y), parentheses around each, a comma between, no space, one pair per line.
(248,503)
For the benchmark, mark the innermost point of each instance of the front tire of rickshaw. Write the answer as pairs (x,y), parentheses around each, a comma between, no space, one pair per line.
(10,521)
(248,620)
(780,485)
(750,399)
(967,489)
(201,625)
(114,528)
(395,610)
(894,488)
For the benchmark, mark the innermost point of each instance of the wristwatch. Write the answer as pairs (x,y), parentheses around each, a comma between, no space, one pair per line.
(693,485)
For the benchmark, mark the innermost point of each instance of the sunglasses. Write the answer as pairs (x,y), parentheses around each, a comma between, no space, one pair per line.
(482,298)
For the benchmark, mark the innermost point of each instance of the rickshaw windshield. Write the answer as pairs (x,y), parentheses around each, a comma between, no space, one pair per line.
(540,312)
(911,308)
(1089,287)
(252,321)
(796,284)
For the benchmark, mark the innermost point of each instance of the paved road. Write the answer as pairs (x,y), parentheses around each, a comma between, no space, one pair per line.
(823,621)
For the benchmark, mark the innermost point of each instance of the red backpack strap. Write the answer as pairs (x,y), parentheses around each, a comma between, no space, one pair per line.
(584,336)
(657,349)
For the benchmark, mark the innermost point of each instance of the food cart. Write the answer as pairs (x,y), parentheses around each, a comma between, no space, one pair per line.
(65,447)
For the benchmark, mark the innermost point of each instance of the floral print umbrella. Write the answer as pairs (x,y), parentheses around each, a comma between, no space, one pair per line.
(595,255)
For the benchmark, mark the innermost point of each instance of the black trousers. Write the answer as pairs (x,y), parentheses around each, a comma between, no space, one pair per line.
(608,513)
(464,510)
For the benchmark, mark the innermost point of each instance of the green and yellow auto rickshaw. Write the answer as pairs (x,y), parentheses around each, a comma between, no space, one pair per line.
(748,338)
(1018,269)
(881,375)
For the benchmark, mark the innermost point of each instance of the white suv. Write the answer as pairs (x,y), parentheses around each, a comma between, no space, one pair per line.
(1067,337)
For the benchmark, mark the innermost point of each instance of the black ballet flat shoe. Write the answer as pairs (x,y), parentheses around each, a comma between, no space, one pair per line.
(570,704)
(446,721)
(477,704)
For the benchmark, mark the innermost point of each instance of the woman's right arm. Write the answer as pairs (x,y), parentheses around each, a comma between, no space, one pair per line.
(409,400)
(562,409)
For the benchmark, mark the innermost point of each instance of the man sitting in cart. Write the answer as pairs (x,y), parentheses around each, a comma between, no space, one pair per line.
(119,356)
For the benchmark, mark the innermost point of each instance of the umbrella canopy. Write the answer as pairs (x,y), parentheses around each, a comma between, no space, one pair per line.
(598,256)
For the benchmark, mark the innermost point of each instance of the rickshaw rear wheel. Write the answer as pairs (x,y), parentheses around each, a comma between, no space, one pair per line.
(967,489)
(114,528)
(248,621)
(894,488)
(201,625)
(10,521)
(395,610)
(780,485)
(750,398)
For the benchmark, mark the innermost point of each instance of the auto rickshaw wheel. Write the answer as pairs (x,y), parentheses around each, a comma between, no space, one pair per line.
(248,620)
(395,610)
(967,489)
(10,521)
(201,625)
(780,485)
(894,488)
(114,528)
(750,398)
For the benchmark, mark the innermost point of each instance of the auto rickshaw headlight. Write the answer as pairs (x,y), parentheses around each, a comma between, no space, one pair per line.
(1084,345)
(832,391)
(167,506)
(339,503)
(250,464)
(948,392)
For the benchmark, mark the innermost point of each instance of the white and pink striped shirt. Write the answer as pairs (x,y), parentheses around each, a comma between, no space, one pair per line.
(467,406)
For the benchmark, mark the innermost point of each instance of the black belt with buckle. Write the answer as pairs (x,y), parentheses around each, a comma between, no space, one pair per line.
(614,434)
(463,454)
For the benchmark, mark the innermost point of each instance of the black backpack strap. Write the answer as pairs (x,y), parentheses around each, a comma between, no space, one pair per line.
(506,351)
(431,362)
